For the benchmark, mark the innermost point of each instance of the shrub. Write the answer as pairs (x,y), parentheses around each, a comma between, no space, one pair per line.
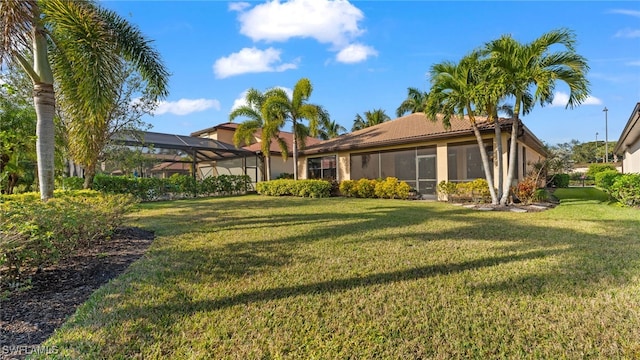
(559,180)
(177,186)
(366,188)
(476,190)
(526,189)
(347,188)
(605,179)
(71,183)
(288,187)
(34,234)
(597,168)
(626,189)
(448,189)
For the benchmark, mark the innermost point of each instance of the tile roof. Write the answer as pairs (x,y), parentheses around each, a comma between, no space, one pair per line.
(275,148)
(407,129)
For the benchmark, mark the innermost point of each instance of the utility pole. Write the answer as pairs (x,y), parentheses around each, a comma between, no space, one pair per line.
(606,136)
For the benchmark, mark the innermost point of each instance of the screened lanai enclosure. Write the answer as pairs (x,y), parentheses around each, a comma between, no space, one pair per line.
(206,157)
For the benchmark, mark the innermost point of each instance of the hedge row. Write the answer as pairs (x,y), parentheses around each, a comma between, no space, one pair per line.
(289,187)
(389,188)
(176,186)
(34,234)
(476,190)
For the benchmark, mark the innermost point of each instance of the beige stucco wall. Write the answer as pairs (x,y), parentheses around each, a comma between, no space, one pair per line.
(631,161)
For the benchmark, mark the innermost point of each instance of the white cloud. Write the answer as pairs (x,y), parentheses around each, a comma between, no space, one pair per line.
(633,63)
(251,60)
(238,6)
(561,99)
(355,53)
(186,106)
(628,33)
(635,13)
(333,22)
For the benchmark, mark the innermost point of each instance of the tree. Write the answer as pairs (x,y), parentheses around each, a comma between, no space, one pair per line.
(330,129)
(455,91)
(416,101)
(17,132)
(270,127)
(279,108)
(371,118)
(534,65)
(79,46)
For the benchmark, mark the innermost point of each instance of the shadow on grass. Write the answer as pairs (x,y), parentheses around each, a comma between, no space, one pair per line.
(584,261)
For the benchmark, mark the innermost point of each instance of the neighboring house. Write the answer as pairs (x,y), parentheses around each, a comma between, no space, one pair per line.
(164,170)
(418,151)
(224,133)
(628,146)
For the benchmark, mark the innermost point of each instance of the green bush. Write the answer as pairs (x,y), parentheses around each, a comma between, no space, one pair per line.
(597,168)
(626,189)
(559,180)
(605,179)
(347,188)
(289,187)
(35,234)
(366,188)
(476,190)
(177,186)
(71,183)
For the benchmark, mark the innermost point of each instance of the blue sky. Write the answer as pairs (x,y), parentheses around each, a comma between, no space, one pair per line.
(362,55)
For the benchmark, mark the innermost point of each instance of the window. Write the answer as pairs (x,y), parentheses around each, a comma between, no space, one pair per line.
(465,162)
(322,168)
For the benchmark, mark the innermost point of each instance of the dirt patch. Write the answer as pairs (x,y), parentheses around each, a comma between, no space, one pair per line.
(28,317)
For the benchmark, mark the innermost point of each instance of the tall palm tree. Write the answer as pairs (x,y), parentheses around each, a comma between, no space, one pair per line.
(330,129)
(296,109)
(415,102)
(371,118)
(454,92)
(270,127)
(78,46)
(535,65)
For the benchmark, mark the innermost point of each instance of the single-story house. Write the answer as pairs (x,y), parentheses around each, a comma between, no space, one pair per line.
(628,146)
(418,151)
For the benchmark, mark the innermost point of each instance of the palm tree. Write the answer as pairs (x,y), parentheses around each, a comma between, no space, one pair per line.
(371,118)
(330,129)
(454,92)
(79,46)
(270,127)
(279,106)
(523,66)
(415,102)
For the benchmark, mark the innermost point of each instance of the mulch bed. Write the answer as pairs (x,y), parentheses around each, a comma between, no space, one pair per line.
(28,317)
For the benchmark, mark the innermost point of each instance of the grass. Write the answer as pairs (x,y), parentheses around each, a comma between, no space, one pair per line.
(259,277)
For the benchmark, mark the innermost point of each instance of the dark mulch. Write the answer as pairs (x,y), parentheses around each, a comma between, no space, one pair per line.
(28,317)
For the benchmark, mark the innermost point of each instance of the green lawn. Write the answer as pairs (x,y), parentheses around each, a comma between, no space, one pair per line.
(260,277)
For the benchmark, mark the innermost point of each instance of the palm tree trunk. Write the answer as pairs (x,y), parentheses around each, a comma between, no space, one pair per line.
(498,133)
(485,163)
(44,101)
(267,167)
(295,152)
(512,160)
